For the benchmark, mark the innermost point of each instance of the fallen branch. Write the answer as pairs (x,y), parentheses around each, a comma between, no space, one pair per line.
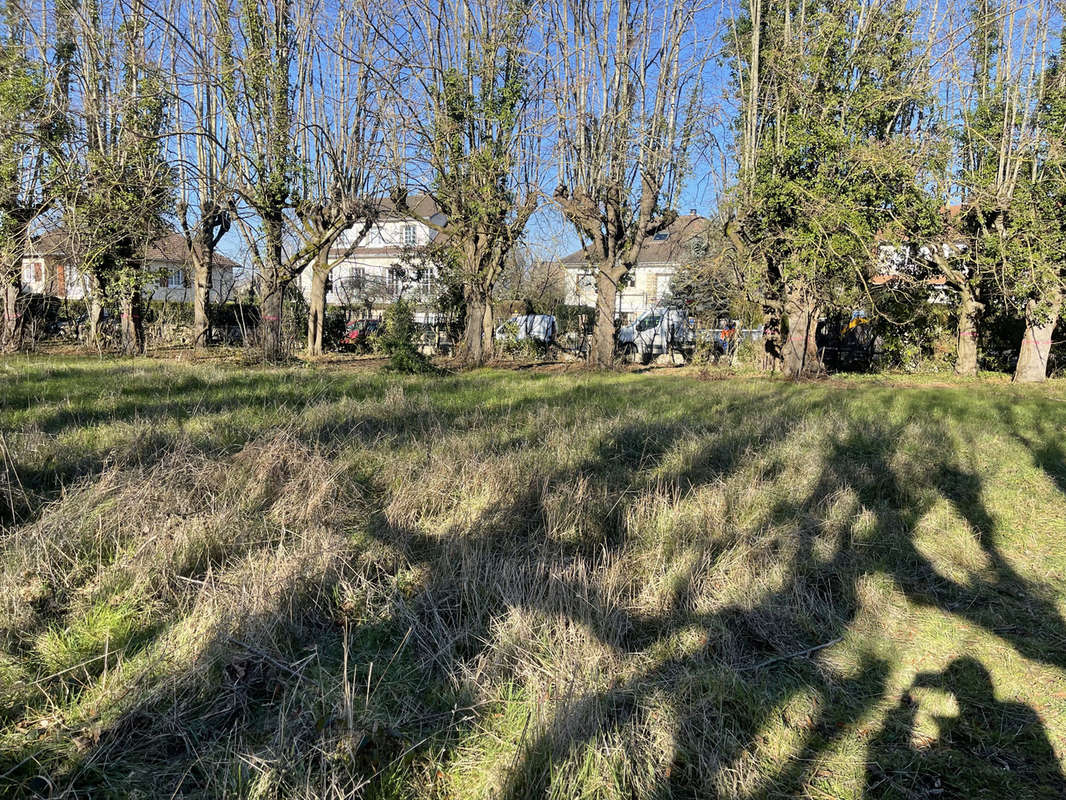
(800,654)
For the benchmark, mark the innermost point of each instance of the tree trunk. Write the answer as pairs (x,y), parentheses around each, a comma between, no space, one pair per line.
(488,331)
(601,348)
(316,314)
(800,350)
(133,323)
(1036,343)
(201,298)
(12,331)
(96,310)
(472,347)
(966,347)
(270,310)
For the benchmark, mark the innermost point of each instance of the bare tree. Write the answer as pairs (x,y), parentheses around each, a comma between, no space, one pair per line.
(340,197)
(205,207)
(471,139)
(267,53)
(35,83)
(626,81)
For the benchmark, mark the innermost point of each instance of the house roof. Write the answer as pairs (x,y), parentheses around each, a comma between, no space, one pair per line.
(420,205)
(169,248)
(657,250)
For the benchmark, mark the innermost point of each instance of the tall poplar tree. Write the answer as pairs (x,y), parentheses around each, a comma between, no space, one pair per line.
(119,185)
(832,150)
(34,93)
(469,141)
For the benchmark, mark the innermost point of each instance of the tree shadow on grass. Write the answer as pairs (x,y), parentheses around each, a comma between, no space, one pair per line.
(815,605)
(1000,747)
(756,664)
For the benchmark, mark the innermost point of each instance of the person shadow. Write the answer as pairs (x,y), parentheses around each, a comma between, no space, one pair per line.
(987,748)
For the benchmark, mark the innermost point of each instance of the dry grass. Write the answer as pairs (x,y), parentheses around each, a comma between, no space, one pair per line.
(220,581)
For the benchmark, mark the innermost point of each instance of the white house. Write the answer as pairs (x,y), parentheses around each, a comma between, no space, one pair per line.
(649,281)
(902,264)
(48,269)
(388,263)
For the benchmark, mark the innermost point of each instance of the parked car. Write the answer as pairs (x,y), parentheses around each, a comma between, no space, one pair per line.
(656,331)
(357,333)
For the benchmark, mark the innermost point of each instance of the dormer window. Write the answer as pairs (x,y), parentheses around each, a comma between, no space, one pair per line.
(409,235)
(662,236)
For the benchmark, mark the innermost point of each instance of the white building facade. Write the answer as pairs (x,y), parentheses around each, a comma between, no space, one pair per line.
(389,262)
(47,269)
(648,283)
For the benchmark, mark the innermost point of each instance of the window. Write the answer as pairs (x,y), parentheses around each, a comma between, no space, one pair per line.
(176,279)
(662,285)
(661,236)
(410,236)
(394,281)
(648,323)
(426,283)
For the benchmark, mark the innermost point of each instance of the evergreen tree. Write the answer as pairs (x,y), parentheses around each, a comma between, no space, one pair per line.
(834,147)
(1037,255)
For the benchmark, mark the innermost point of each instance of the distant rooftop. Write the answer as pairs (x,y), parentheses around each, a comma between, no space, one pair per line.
(169,248)
(665,247)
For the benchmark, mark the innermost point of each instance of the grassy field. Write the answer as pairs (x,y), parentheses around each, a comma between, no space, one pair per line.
(226,581)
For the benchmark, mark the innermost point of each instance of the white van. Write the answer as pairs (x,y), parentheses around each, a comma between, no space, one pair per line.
(656,331)
(538,327)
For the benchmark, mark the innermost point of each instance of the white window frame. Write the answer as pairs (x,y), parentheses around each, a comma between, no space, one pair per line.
(176,279)
(410,235)
(427,282)
(395,281)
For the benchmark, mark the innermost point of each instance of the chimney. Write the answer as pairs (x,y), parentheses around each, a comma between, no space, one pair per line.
(692,212)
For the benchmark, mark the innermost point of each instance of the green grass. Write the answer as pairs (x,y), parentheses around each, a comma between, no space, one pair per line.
(226,581)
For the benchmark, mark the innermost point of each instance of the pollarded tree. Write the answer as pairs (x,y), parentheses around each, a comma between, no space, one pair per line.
(205,207)
(472,140)
(340,195)
(295,196)
(626,89)
(266,54)
(34,87)
(833,150)
(118,183)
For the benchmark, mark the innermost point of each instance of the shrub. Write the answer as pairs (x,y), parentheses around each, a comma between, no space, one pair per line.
(398,340)
(575,319)
(334,328)
(527,349)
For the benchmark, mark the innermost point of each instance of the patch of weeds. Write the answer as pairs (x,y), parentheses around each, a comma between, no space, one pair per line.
(107,629)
